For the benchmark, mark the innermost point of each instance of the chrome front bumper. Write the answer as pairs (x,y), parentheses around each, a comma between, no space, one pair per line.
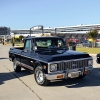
(68,73)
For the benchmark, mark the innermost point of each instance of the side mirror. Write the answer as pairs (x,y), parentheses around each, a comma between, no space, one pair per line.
(34,47)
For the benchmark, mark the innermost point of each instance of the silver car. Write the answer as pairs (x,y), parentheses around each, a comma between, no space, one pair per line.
(86,43)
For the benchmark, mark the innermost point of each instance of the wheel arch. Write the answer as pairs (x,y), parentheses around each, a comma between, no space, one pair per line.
(13,57)
(41,64)
(37,63)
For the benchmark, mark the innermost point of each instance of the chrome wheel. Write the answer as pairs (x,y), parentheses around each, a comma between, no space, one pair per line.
(39,76)
(16,67)
(14,64)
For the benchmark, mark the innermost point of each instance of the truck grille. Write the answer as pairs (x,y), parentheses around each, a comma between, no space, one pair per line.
(72,65)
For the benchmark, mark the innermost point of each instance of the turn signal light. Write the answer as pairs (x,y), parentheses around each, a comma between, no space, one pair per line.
(44,67)
(60,76)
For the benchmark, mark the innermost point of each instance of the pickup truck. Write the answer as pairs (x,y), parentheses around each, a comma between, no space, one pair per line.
(49,62)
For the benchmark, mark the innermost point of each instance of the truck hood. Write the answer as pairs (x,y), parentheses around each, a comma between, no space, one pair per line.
(68,55)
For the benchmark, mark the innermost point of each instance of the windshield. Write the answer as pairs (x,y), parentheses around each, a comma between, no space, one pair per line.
(49,45)
(44,43)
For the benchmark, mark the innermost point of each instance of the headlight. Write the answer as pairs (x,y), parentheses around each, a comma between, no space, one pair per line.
(53,67)
(90,62)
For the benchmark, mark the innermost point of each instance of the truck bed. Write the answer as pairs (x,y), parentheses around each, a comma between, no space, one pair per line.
(20,48)
(16,50)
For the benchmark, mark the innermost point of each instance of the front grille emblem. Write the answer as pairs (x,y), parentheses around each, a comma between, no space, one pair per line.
(74,65)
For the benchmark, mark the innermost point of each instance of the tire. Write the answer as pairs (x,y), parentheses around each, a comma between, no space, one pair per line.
(81,76)
(16,67)
(39,76)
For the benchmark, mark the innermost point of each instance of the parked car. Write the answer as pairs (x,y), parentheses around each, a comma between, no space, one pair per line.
(50,62)
(86,43)
(98,58)
(72,45)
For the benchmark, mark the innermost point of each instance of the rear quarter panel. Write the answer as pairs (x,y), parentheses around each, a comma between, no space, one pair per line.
(15,53)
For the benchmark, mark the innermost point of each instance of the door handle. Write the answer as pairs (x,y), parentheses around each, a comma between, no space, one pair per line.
(24,50)
(31,61)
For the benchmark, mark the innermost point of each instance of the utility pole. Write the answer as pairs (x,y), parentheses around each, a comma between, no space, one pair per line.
(30,31)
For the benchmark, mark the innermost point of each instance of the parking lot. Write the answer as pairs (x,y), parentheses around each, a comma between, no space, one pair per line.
(22,86)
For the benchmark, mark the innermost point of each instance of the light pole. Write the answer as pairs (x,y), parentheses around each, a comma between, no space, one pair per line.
(39,27)
(13,39)
(55,31)
(30,31)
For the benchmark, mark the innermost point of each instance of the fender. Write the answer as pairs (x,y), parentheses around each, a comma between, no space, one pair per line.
(37,63)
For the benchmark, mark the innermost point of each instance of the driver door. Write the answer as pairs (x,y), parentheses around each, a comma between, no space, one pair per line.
(26,54)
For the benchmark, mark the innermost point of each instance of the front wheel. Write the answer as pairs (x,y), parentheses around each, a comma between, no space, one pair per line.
(16,67)
(40,77)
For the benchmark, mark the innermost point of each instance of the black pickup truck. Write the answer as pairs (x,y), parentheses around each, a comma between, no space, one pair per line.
(50,59)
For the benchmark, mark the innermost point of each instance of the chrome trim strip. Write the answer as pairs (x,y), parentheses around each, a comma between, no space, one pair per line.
(48,67)
(89,68)
(53,77)
(75,70)
(89,58)
(25,65)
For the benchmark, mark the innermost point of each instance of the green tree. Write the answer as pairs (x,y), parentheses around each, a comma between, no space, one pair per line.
(93,33)
(21,37)
(17,39)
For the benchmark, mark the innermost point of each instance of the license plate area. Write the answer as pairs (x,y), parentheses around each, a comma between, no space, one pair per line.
(73,74)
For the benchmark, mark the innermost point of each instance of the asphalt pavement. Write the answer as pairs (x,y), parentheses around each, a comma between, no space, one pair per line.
(11,87)
(22,86)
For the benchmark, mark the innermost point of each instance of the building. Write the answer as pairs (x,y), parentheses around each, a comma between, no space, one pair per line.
(4,32)
(79,31)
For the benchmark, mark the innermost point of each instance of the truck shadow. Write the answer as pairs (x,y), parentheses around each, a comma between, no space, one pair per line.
(3,58)
(12,75)
(92,79)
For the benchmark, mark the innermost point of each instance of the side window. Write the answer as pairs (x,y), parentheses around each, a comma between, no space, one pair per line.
(60,43)
(28,45)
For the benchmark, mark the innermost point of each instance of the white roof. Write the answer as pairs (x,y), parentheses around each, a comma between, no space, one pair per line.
(77,28)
